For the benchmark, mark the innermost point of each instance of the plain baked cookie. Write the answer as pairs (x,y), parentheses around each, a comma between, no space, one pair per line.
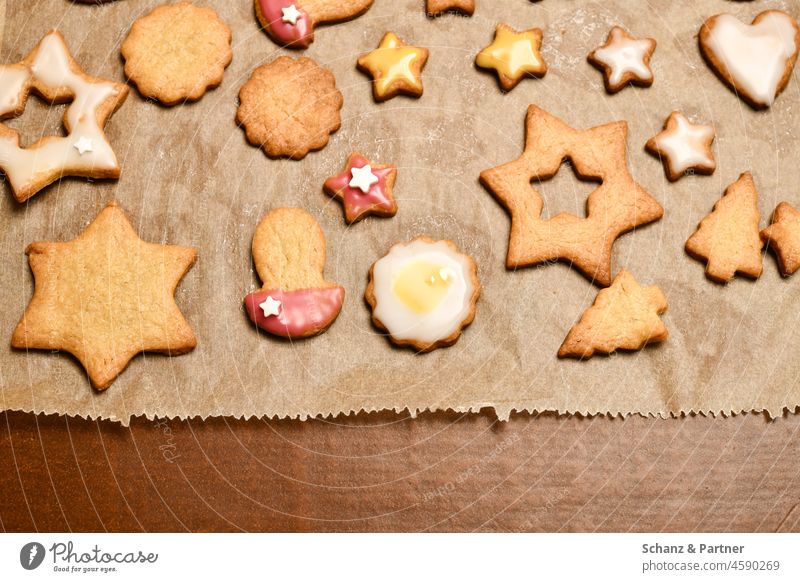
(291,22)
(295,300)
(423,293)
(290,107)
(176,52)
(105,297)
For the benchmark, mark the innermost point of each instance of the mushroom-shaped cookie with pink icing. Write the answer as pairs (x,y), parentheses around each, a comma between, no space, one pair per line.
(291,22)
(289,254)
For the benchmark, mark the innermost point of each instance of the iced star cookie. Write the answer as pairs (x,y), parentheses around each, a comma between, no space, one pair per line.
(624,60)
(176,52)
(363,188)
(754,60)
(625,316)
(783,237)
(295,300)
(423,293)
(513,55)
(50,71)
(683,147)
(105,297)
(436,7)
(291,22)
(290,107)
(728,238)
(395,68)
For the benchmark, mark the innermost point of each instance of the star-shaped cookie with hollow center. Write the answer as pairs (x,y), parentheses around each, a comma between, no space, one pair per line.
(364,189)
(51,72)
(105,297)
(616,206)
(435,7)
(513,55)
(683,146)
(783,237)
(624,60)
(395,67)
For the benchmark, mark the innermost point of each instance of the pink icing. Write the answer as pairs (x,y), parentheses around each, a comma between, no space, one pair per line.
(357,202)
(299,34)
(303,312)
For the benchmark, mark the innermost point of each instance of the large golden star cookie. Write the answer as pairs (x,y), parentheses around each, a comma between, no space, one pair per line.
(50,71)
(105,297)
(616,206)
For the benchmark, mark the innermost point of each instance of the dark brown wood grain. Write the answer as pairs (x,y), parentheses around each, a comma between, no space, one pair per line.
(383,472)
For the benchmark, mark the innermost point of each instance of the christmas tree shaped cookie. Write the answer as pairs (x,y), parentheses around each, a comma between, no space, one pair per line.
(728,238)
(625,316)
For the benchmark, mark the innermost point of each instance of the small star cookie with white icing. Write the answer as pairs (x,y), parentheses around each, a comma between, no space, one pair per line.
(624,60)
(51,72)
(684,146)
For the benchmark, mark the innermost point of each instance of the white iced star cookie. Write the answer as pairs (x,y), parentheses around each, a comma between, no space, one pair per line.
(684,146)
(624,60)
(50,71)
(362,178)
(270,306)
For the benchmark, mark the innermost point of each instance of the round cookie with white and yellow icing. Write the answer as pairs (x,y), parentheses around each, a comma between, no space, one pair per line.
(423,293)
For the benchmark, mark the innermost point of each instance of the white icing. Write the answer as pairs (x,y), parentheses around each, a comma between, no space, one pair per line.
(270,306)
(13,79)
(51,69)
(686,145)
(83,145)
(754,54)
(444,319)
(363,178)
(290,14)
(624,55)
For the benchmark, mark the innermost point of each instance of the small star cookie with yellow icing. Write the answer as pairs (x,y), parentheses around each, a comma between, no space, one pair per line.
(513,55)
(395,67)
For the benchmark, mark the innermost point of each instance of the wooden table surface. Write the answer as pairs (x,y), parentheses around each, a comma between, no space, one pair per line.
(387,472)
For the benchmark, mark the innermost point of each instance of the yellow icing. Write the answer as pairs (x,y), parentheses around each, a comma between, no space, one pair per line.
(513,54)
(393,60)
(421,285)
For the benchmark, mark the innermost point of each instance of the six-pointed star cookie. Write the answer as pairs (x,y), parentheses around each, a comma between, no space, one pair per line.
(105,297)
(513,55)
(395,67)
(435,7)
(623,60)
(616,206)
(50,71)
(364,189)
(683,146)
(783,237)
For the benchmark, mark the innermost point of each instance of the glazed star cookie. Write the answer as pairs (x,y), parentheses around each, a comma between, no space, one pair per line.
(513,55)
(291,22)
(783,237)
(395,68)
(436,7)
(105,297)
(295,300)
(51,72)
(625,316)
(616,206)
(728,238)
(624,60)
(423,293)
(755,60)
(683,146)
(290,107)
(176,52)
(363,188)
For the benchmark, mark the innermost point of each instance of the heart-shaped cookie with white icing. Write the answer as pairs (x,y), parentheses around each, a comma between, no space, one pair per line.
(754,60)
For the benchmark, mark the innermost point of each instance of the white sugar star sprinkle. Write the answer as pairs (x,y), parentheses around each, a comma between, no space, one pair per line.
(83,145)
(291,14)
(363,178)
(270,306)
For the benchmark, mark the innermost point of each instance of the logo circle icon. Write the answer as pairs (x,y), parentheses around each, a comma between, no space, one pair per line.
(31,555)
